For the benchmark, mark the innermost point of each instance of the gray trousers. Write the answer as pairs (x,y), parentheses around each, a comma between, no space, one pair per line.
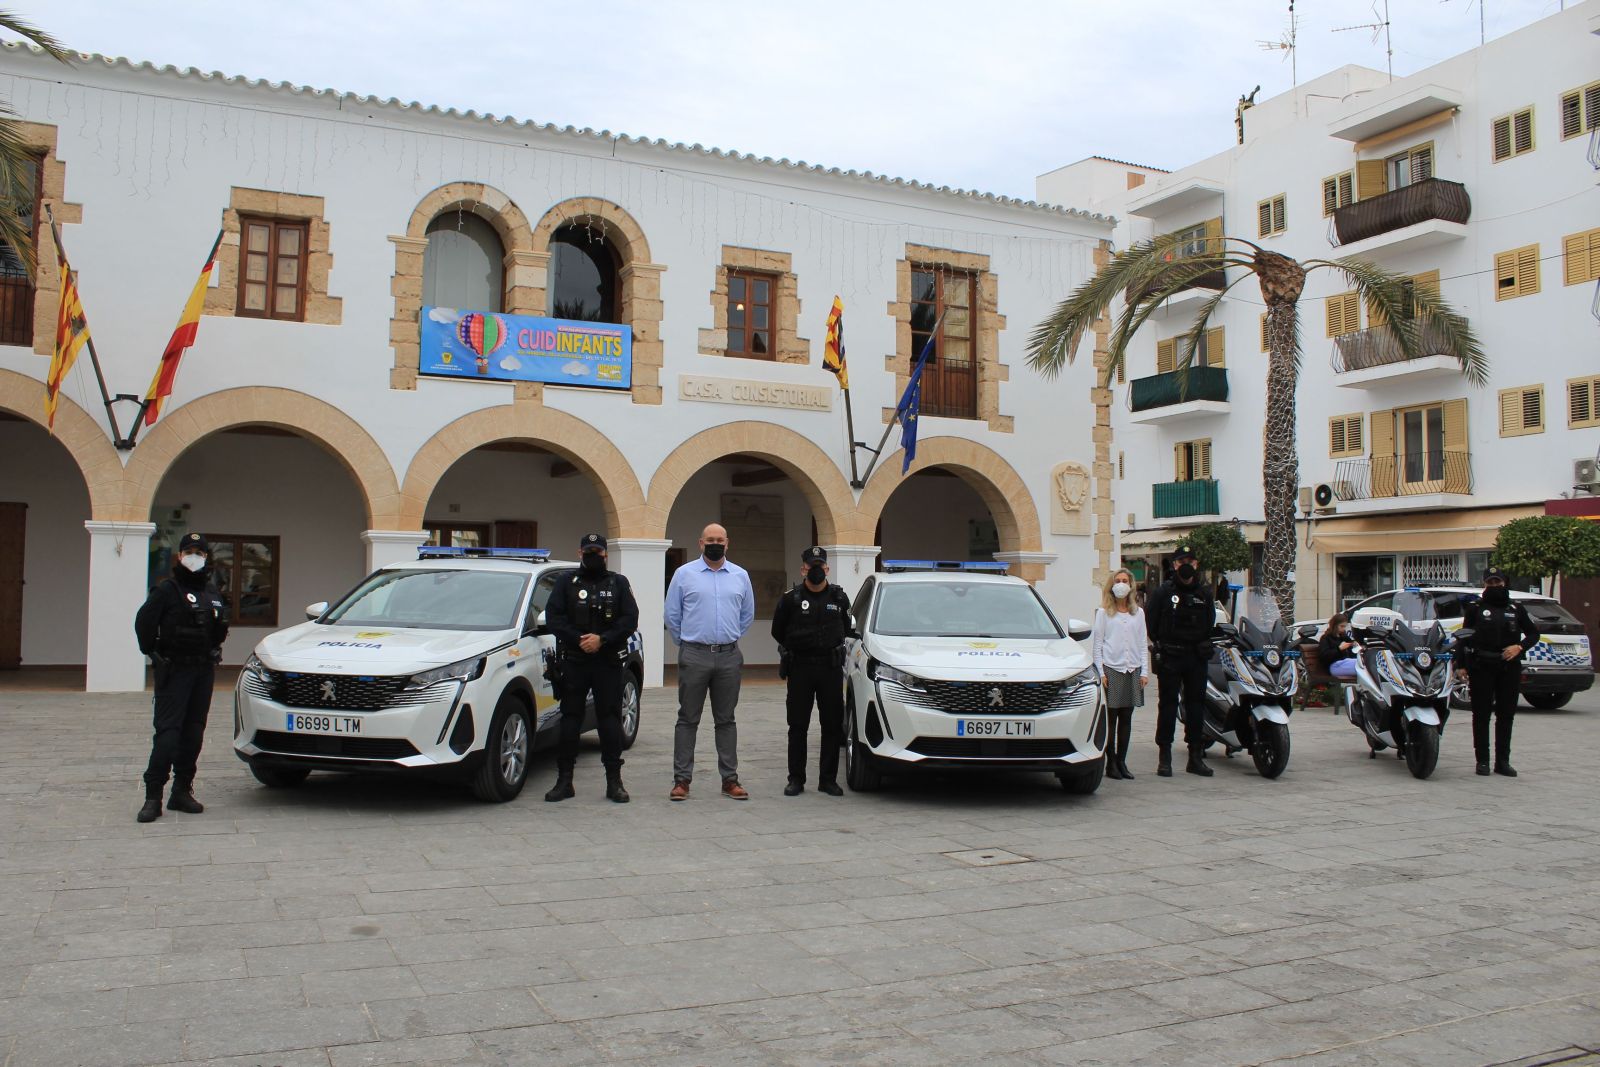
(700,670)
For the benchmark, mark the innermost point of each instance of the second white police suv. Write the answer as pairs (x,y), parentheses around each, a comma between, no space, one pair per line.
(433,666)
(961,666)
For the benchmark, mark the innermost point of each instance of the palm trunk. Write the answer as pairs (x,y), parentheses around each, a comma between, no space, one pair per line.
(1280,462)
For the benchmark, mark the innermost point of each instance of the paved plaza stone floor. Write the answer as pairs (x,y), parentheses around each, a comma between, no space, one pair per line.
(1345,914)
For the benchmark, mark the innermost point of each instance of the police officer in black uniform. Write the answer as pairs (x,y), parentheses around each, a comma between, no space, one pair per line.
(592,614)
(810,625)
(1492,655)
(181,628)
(1180,617)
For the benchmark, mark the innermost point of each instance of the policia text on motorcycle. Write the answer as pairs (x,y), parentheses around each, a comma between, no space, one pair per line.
(1491,654)
(181,628)
(810,625)
(592,614)
(1181,615)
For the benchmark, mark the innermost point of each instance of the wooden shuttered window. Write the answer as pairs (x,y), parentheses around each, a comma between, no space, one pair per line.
(1272,216)
(1372,178)
(272,272)
(1512,135)
(1166,355)
(1522,411)
(1516,272)
(1457,472)
(1344,314)
(1583,402)
(1426,282)
(1264,344)
(1213,351)
(1214,242)
(1191,460)
(1383,453)
(1580,110)
(1345,436)
(1580,257)
(1337,191)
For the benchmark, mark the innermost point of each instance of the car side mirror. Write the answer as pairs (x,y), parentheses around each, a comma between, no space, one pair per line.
(1079,630)
(850,624)
(316,611)
(538,626)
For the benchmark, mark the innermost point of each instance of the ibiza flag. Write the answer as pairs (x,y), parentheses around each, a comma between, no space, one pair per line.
(833,351)
(910,407)
(72,333)
(182,338)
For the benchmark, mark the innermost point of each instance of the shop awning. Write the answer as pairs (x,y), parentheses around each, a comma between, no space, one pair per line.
(1167,537)
(1420,531)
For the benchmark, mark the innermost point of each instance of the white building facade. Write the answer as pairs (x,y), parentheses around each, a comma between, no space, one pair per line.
(307,439)
(1477,177)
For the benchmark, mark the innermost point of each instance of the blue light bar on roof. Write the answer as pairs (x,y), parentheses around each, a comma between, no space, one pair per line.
(533,555)
(896,566)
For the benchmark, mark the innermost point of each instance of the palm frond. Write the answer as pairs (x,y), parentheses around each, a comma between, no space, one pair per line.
(1418,319)
(11,21)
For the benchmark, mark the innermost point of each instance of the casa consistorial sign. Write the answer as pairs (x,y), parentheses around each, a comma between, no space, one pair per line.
(754,393)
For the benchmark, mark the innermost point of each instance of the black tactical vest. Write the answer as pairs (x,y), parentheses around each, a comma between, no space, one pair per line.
(592,602)
(818,621)
(191,622)
(1189,614)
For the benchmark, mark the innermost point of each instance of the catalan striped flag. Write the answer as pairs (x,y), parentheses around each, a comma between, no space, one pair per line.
(833,351)
(72,333)
(182,338)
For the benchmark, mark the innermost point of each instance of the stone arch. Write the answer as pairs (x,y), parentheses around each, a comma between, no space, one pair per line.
(639,290)
(82,437)
(316,420)
(811,468)
(516,237)
(573,439)
(985,470)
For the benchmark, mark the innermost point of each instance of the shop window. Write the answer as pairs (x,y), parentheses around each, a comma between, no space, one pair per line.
(1512,135)
(16,285)
(750,314)
(1337,191)
(584,274)
(1516,273)
(245,569)
(944,298)
(1580,111)
(1522,411)
(464,264)
(1272,216)
(272,268)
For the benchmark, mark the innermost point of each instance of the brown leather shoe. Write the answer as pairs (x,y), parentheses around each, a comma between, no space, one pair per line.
(733,790)
(680,790)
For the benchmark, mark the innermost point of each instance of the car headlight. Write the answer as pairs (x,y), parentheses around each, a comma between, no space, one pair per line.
(1077,682)
(460,671)
(885,673)
(253,665)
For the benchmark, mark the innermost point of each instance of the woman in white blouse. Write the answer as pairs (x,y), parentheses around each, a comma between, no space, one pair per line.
(1121,652)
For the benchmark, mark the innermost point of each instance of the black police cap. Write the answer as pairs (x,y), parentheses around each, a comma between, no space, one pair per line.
(1184,552)
(1494,572)
(194,542)
(592,540)
(814,554)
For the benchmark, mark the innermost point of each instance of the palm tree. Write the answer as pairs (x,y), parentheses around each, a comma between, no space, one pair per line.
(18,160)
(1152,270)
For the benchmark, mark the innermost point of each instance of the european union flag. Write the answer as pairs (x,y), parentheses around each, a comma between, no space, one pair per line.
(910,406)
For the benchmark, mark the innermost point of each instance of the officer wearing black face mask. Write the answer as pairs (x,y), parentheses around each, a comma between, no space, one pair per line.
(181,628)
(1180,616)
(810,625)
(592,614)
(1491,660)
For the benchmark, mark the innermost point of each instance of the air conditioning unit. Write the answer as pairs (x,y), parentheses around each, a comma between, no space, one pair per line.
(1305,499)
(1586,474)
(1325,495)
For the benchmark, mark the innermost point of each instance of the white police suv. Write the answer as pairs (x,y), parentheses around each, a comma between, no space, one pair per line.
(432,666)
(959,667)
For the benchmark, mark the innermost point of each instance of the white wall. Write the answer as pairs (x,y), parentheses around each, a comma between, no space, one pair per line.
(55,547)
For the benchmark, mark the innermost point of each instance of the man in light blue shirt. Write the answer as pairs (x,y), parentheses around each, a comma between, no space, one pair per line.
(709,607)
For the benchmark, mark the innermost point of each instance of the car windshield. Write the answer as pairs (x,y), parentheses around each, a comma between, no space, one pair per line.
(963,609)
(433,600)
(1547,613)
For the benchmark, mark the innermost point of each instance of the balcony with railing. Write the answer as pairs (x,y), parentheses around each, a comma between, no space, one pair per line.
(1426,212)
(1174,396)
(1178,500)
(1372,357)
(1383,482)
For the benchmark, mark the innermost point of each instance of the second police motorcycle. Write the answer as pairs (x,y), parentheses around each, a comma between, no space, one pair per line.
(1404,680)
(1251,682)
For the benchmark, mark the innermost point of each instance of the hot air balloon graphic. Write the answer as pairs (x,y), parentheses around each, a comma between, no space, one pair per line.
(482,334)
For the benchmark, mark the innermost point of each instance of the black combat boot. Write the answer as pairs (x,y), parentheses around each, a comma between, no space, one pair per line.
(614,791)
(152,808)
(183,800)
(562,790)
(794,788)
(1483,761)
(1122,765)
(1164,761)
(1113,769)
(832,788)
(1502,762)
(1197,762)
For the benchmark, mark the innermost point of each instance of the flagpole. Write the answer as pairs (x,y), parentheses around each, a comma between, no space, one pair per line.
(94,357)
(877,453)
(154,395)
(850,433)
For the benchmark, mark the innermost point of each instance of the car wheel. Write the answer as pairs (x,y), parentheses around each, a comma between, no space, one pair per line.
(279,777)
(1547,701)
(1083,782)
(860,774)
(505,757)
(630,709)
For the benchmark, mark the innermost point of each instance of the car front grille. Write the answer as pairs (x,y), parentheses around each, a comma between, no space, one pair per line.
(993,748)
(995,698)
(339,747)
(343,692)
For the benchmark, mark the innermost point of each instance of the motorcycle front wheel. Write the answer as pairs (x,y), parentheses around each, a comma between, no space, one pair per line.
(1271,748)
(1422,749)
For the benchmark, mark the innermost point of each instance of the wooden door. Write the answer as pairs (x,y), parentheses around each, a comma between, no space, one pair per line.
(13,524)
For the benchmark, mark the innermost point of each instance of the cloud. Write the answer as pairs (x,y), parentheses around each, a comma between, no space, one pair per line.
(511,363)
(575,368)
(447,316)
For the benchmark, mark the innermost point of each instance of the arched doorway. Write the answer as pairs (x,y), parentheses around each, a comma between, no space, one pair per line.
(933,514)
(514,494)
(463,266)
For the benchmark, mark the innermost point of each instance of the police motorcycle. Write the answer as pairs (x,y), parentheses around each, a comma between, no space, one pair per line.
(1251,681)
(1401,697)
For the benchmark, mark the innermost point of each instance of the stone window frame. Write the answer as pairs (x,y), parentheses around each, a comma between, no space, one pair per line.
(41,138)
(787,345)
(318,307)
(988,322)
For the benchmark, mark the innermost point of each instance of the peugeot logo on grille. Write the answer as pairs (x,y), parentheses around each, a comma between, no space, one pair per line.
(327,689)
(996,698)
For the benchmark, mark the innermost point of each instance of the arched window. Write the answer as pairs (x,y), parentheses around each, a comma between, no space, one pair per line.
(583,274)
(463,266)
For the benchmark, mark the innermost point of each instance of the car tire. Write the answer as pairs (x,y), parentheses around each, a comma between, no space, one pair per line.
(279,777)
(860,772)
(505,756)
(1547,701)
(1082,783)
(630,709)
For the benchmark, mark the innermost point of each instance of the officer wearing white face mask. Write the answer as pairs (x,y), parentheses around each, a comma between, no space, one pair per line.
(181,628)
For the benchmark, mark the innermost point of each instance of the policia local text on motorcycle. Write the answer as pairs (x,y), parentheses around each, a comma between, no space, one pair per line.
(810,625)
(592,614)
(181,628)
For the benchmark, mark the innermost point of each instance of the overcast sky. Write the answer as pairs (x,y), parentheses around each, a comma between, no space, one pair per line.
(982,95)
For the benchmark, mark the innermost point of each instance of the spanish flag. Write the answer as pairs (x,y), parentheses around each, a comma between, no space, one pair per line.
(182,338)
(72,333)
(833,352)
